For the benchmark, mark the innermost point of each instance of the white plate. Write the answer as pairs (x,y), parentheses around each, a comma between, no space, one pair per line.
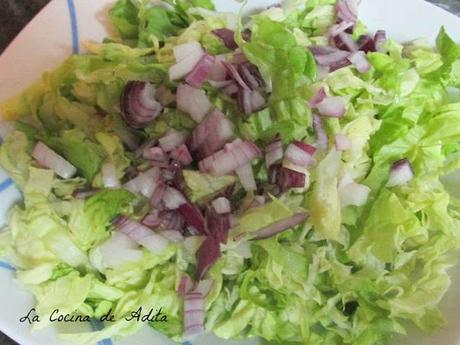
(54,34)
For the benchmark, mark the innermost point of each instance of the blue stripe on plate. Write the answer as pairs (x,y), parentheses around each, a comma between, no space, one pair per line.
(74,27)
(97,325)
(187,343)
(7,266)
(5,184)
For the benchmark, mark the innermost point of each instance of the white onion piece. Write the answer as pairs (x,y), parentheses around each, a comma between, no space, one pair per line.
(233,156)
(187,56)
(182,51)
(172,235)
(336,29)
(182,155)
(246,176)
(274,153)
(299,156)
(193,314)
(222,205)
(342,142)
(51,160)
(359,60)
(145,183)
(204,287)
(173,199)
(118,250)
(331,58)
(171,140)
(333,106)
(109,176)
(141,234)
(354,194)
(193,101)
(401,173)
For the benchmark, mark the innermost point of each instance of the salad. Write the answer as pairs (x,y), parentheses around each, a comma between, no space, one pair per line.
(276,176)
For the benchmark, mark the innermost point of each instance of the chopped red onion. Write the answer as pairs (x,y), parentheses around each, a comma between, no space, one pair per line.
(109,176)
(221,205)
(193,314)
(145,183)
(297,155)
(379,39)
(359,60)
(250,101)
(171,140)
(227,36)
(218,71)
(84,193)
(236,75)
(208,253)
(345,41)
(155,153)
(187,56)
(274,153)
(192,216)
(185,285)
(211,134)
(246,176)
(156,199)
(354,194)
(342,142)
(182,155)
(366,44)
(319,96)
(347,10)
(401,173)
(217,225)
(193,101)
(233,156)
(310,149)
(337,29)
(328,56)
(333,106)
(280,226)
(201,71)
(141,234)
(49,159)
(138,105)
(288,178)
